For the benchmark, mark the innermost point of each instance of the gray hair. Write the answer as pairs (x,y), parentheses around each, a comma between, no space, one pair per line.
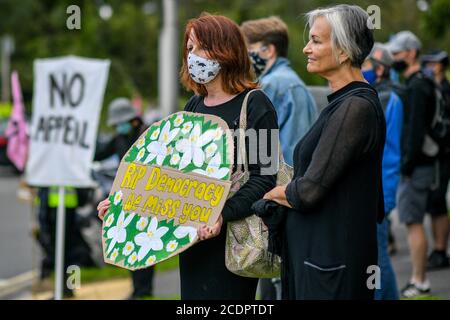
(350,30)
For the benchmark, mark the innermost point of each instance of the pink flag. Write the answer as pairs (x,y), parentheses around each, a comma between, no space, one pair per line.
(137,104)
(17,131)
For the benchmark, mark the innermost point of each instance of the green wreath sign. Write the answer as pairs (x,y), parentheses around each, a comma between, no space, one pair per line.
(147,221)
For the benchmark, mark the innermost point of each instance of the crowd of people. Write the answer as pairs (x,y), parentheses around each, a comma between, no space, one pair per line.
(381,143)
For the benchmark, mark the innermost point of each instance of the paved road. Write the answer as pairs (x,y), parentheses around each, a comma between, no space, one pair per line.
(16,244)
(439,280)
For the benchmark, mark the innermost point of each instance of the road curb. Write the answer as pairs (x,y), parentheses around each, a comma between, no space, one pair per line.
(17,283)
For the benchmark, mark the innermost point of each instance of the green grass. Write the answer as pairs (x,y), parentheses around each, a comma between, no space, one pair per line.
(110,272)
(176,297)
(107,272)
(424,297)
(167,265)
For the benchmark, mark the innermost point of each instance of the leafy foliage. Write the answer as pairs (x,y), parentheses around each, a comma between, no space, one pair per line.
(130,37)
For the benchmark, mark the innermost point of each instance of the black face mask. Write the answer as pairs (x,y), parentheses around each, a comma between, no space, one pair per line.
(399,66)
(259,64)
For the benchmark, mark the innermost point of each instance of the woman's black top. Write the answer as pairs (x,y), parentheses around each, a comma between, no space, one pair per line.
(202,268)
(337,197)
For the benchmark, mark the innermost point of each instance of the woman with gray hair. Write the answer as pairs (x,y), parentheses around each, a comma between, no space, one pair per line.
(329,247)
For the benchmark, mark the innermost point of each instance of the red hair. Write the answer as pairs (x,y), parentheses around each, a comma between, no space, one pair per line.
(223,41)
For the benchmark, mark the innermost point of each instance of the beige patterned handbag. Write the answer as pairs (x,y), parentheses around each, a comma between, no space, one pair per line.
(246,249)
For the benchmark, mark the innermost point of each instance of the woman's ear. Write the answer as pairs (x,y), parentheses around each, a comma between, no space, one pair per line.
(342,56)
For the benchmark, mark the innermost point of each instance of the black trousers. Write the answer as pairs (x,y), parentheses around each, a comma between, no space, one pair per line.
(267,289)
(143,282)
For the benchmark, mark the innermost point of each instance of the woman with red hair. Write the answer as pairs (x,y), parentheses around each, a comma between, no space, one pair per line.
(217,68)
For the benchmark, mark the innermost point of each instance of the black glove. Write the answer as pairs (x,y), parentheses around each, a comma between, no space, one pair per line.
(273,216)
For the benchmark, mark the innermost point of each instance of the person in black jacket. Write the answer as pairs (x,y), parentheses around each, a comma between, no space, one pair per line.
(418,155)
(335,198)
(437,62)
(129,126)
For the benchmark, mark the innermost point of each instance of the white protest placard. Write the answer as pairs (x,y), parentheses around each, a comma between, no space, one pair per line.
(68,96)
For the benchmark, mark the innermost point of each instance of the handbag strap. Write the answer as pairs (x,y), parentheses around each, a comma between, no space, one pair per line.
(242,152)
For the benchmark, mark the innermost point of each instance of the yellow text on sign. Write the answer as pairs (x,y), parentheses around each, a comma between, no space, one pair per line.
(184,187)
(133,174)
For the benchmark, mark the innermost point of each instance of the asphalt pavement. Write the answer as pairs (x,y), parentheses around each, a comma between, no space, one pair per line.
(17,252)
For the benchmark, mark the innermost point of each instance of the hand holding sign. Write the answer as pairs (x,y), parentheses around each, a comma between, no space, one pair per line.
(169,191)
(102,208)
(204,232)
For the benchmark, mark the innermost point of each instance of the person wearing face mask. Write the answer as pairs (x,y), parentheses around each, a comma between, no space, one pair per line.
(129,126)
(268,43)
(419,153)
(217,68)
(376,70)
(221,76)
(436,61)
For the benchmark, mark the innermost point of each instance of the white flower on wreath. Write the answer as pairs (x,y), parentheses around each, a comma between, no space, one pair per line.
(155,134)
(175,159)
(192,147)
(170,150)
(140,154)
(213,169)
(158,149)
(187,127)
(132,259)
(140,143)
(183,231)
(172,246)
(118,233)
(114,255)
(178,120)
(142,223)
(129,247)
(150,240)
(151,260)
(210,150)
(118,197)
(218,134)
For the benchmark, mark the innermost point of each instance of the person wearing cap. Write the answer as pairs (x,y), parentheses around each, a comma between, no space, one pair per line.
(376,70)
(418,155)
(129,126)
(436,61)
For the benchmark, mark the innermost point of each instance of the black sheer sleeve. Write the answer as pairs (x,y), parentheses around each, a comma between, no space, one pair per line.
(350,132)
(261,117)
